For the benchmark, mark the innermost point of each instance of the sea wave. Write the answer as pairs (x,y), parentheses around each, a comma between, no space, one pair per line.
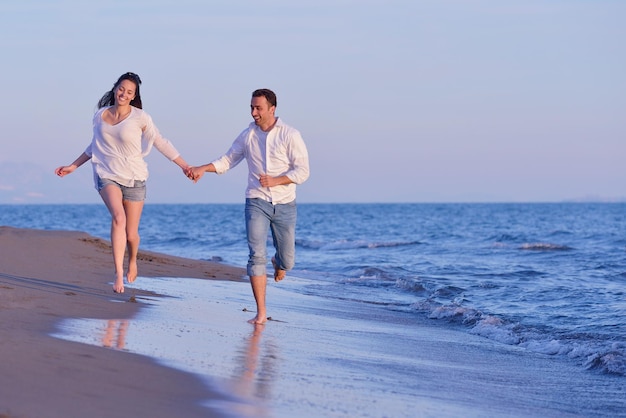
(544,246)
(351,244)
(593,352)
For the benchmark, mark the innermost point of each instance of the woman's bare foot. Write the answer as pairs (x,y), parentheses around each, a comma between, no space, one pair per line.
(118,285)
(131,275)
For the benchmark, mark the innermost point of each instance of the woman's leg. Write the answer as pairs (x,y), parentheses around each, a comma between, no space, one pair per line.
(133,211)
(112,197)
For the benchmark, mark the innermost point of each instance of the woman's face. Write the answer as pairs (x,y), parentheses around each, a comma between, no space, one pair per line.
(125,92)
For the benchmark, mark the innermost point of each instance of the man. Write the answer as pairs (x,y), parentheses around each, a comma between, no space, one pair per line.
(277,160)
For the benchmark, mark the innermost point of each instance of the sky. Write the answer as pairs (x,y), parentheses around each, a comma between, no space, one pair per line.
(397,100)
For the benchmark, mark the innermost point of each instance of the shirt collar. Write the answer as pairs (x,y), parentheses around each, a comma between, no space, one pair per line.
(279,123)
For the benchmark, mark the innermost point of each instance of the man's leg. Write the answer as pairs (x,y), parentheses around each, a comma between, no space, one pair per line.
(259,285)
(284,237)
(257,228)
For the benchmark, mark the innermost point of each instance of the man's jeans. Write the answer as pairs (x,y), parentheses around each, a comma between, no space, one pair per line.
(261,216)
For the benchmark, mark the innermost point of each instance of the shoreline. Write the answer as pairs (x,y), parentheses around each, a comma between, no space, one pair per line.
(48,276)
(72,347)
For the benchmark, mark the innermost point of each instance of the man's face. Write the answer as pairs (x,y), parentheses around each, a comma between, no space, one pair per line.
(262,112)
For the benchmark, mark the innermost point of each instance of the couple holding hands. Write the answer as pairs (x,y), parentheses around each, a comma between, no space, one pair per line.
(277,158)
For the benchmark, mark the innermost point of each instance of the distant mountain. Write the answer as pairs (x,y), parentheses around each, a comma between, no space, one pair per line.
(596,199)
(28,183)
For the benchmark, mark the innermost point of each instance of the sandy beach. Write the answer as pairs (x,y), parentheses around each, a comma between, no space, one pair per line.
(176,346)
(46,276)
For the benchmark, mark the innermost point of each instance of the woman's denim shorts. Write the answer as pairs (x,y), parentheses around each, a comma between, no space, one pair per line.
(137,193)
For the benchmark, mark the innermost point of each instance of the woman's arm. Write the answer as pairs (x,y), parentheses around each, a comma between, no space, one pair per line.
(180,161)
(67,169)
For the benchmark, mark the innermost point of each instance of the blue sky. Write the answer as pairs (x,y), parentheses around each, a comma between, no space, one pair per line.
(397,100)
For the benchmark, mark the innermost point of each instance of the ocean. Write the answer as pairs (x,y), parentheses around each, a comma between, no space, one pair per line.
(544,280)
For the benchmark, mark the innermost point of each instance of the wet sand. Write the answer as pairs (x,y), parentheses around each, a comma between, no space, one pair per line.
(46,276)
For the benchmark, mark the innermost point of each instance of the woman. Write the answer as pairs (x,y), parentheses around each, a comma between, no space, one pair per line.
(123,135)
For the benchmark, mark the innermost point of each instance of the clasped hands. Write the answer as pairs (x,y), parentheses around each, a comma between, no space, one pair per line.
(193,173)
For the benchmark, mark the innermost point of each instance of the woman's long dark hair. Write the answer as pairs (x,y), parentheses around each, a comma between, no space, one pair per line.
(109,97)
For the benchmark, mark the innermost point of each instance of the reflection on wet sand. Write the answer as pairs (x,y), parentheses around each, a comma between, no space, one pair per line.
(115,333)
(253,380)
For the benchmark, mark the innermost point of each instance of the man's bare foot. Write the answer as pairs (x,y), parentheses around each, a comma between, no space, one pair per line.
(279,274)
(118,285)
(258,321)
(131,274)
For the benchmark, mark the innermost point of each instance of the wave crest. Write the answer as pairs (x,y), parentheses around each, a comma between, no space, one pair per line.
(544,246)
(608,357)
(351,244)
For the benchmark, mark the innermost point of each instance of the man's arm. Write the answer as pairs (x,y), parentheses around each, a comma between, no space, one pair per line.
(198,172)
(268,181)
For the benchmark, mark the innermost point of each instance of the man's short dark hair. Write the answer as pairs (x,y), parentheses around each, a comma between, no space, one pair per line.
(269,95)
